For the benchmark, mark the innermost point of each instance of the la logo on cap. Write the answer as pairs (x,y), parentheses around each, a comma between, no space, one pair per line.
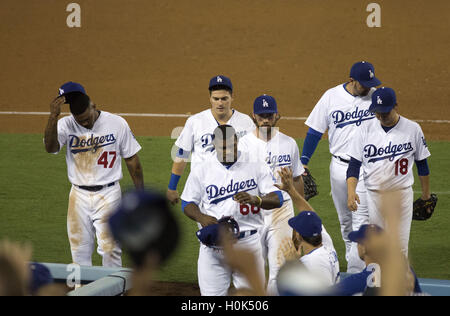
(219,79)
(379,101)
(265,104)
(61,91)
(371,75)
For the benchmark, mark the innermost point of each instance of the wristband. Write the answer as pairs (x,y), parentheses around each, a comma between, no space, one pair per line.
(260,200)
(174,178)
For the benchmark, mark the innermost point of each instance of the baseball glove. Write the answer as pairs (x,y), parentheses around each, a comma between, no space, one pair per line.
(209,235)
(420,208)
(310,186)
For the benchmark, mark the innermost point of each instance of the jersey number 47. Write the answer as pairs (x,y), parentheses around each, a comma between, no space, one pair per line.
(103,160)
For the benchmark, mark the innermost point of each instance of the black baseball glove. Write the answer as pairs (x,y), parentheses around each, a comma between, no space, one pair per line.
(420,208)
(310,186)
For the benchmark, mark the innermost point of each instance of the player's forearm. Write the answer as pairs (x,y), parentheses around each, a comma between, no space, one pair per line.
(271,201)
(309,145)
(298,200)
(352,182)
(298,185)
(192,211)
(178,166)
(136,172)
(425,184)
(51,134)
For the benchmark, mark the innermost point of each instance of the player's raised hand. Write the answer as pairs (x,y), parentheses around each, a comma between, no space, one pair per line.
(353,201)
(173,196)
(287,182)
(55,106)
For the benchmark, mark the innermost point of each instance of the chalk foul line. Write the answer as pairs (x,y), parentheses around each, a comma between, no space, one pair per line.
(172,115)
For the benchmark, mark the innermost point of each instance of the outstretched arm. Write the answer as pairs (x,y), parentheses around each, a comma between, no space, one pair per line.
(287,184)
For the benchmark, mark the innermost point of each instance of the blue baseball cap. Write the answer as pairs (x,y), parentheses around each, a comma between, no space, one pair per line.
(383,100)
(265,104)
(307,224)
(220,81)
(359,235)
(40,276)
(364,73)
(71,87)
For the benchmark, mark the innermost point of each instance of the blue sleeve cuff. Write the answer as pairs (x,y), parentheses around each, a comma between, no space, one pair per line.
(353,168)
(310,144)
(183,153)
(280,197)
(422,167)
(174,178)
(185,203)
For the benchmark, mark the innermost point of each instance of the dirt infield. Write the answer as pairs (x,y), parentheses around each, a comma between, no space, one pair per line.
(157,56)
(149,56)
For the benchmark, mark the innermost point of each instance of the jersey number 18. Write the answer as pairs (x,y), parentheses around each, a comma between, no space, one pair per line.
(401,166)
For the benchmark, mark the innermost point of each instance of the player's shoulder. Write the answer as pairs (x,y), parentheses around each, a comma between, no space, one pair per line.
(286,138)
(241,115)
(409,123)
(248,138)
(111,118)
(336,90)
(200,116)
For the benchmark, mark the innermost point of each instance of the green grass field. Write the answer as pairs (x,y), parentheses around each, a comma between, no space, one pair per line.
(34,193)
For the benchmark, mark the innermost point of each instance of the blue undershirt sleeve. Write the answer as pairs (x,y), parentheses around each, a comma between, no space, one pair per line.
(310,144)
(353,169)
(422,167)
(185,203)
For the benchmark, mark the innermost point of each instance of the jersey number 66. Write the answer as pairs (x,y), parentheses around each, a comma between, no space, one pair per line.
(246,208)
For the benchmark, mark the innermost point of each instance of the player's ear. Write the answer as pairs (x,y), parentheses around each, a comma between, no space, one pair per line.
(253,118)
(277,117)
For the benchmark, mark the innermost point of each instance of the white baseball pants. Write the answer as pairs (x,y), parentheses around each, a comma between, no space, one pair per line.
(349,221)
(275,230)
(214,276)
(406,210)
(87,219)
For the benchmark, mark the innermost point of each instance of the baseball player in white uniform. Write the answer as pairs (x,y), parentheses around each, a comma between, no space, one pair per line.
(314,244)
(96,141)
(227,184)
(196,138)
(342,110)
(386,149)
(266,144)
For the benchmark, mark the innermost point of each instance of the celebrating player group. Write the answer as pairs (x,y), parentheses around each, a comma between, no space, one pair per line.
(244,168)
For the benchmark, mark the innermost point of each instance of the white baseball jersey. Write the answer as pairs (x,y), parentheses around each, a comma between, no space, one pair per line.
(94,156)
(280,151)
(388,157)
(197,133)
(212,186)
(340,113)
(325,261)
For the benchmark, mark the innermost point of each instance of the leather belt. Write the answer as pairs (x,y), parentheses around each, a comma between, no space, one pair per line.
(247,233)
(95,188)
(341,159)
